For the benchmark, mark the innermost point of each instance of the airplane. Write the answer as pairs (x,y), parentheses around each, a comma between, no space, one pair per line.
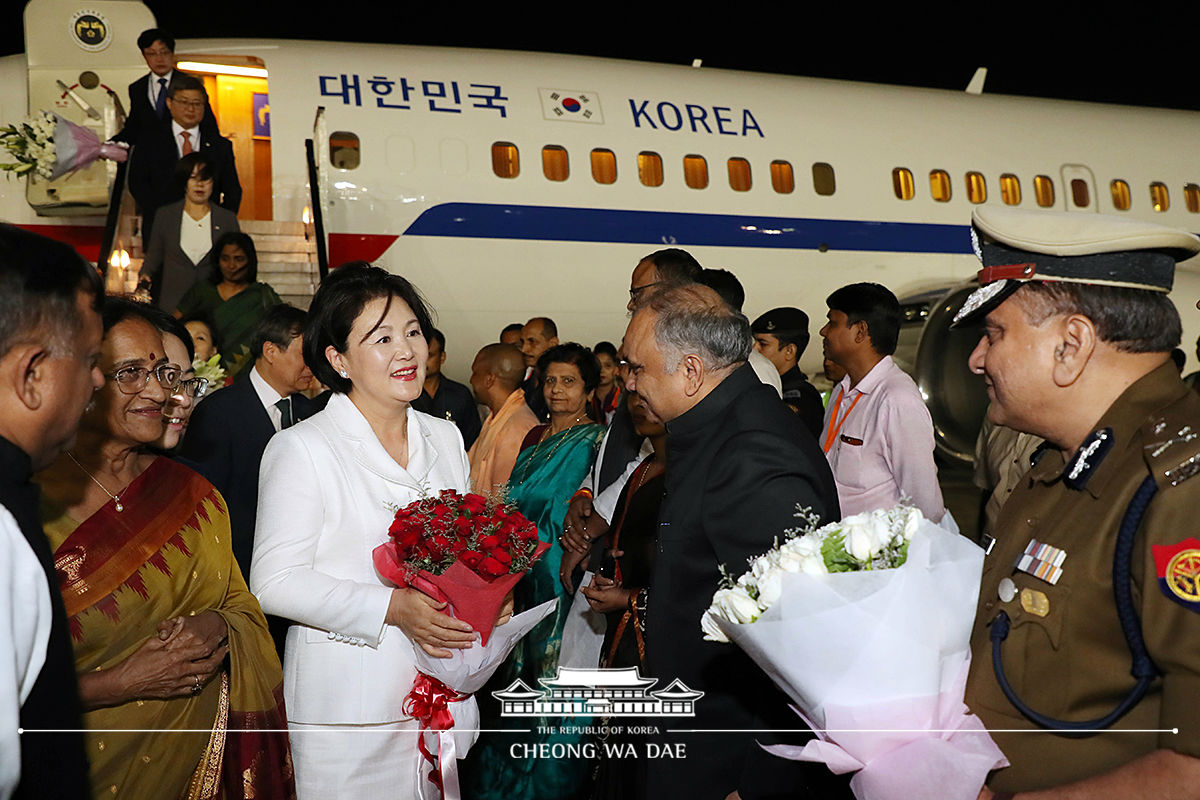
(508,185)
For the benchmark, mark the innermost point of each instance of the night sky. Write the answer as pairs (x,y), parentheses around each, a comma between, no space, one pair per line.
(1038,51)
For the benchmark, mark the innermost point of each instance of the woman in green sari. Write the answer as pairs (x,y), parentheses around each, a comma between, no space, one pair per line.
(552,463)
(234,299)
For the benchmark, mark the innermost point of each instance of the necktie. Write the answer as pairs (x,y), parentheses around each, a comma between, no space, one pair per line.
(187,142)
(285,409)
(160,102)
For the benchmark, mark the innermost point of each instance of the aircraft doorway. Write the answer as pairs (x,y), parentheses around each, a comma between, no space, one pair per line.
(237,91)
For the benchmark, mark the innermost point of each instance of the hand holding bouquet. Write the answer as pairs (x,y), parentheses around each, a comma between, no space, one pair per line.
(865,624)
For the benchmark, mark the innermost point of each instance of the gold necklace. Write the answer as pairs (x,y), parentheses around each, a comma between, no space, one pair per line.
(550,455)
(116,498)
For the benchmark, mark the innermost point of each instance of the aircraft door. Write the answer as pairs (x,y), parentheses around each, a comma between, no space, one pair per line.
(1079,188)
(317,150)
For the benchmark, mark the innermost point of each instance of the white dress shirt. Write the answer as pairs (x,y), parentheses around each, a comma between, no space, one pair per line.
(193,136)
(268,397)
(153,87)
(25,631)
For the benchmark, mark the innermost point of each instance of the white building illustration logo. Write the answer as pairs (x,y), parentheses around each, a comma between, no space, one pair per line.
(598,692)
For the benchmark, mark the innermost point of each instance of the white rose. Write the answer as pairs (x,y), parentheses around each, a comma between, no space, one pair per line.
(769,588)
(790,560)
(735,605)
(814,565)
(911,522)
(764,564)
(807,545)
(708,624)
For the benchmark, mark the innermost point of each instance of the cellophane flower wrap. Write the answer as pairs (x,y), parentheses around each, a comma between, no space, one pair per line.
(53,146)
(468,551)
(865,623)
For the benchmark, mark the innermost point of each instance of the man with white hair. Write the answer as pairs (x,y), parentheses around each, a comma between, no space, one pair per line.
(740,464)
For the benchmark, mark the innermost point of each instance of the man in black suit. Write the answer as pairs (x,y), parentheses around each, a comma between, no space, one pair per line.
(148,94)
(739,466)
(229,430)
(50,335)
(447,399)
(152,167)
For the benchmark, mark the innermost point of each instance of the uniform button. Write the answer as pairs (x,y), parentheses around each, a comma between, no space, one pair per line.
(988,605)
(1007,590)
(332,635)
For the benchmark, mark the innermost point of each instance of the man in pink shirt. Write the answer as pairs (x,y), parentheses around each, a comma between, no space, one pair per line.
(878,435)
(496,379)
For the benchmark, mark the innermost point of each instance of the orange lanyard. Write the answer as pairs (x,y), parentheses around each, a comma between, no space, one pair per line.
(837,424)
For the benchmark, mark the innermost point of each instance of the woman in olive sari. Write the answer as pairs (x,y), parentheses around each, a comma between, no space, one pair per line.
(551,465)
(234,299)
(155,600)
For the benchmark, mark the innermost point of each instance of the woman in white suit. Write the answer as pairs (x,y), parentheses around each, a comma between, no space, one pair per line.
(328,491)
(180,248)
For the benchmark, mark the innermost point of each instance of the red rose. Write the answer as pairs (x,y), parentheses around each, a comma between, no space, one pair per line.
(471,558)
(503,557)
(474,503)
(489,542)
(491,568)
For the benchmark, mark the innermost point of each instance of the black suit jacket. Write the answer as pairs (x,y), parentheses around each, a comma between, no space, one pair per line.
(152,173)
(738,463)
(141,116)
(225,441)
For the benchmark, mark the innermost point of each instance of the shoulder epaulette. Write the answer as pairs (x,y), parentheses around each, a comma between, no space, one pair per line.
(1172,448)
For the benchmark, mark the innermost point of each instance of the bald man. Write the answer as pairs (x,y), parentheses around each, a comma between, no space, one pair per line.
(496,379)
(537,336)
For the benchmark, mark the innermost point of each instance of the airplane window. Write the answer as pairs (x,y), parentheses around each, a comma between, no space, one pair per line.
(554,163)
(650,169)
(1043,189)
(1159,197)
(939,185)
(1079,193)
(1010,189)
(782,179)
(1191,195)
(506,161)
(902,183)
(976,187)
(604,166)
(343,150)
(739,174)
(1120,195)
(695,171)
(823,179)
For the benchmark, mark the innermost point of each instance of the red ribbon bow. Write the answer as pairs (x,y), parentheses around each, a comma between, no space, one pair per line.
(429,703)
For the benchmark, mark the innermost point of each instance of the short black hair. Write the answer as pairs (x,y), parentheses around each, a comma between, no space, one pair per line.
(875,305)
(152,35)
(238,239)
(726,284)
(168,323)
(213,334)
(1131,320)
(121,308)
(336,306)
(512,326)
(572,353)
(279,326)
(39,281)
(435,335)
(188,164)
(182,82)
(675,266)
(605,348)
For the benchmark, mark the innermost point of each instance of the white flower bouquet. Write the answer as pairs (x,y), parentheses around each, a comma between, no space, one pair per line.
(52,146)
(865,623)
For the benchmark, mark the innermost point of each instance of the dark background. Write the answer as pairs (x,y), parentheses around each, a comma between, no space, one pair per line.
(1081,53)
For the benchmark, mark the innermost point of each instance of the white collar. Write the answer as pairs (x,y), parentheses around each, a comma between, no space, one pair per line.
(266,393)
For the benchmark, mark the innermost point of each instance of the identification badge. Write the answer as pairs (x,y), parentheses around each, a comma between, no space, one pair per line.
(1042,561)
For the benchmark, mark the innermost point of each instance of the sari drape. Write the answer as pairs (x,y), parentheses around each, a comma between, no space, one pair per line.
(167,554)
(235,318)
(543,480)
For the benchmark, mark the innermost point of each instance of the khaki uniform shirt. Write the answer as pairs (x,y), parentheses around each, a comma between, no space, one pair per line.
(1065,655)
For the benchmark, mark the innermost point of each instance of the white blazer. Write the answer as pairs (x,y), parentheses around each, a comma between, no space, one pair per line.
(327,494)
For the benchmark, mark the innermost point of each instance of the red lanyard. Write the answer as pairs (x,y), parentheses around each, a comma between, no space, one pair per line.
(836,424)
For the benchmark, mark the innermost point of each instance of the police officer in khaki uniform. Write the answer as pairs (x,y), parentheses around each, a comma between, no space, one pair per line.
(1089,608)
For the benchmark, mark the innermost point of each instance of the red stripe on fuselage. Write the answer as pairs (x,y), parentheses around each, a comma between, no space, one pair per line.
(345,247)
(84,238)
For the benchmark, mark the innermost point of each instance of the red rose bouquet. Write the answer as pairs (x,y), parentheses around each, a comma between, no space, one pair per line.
(469,552)
(465,550)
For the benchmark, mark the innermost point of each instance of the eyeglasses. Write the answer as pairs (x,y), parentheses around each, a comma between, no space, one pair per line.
(633,293)
(131,380)
(194,387)
(193,104)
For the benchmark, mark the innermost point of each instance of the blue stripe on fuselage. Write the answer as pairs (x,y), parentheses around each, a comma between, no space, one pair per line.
(559,223)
